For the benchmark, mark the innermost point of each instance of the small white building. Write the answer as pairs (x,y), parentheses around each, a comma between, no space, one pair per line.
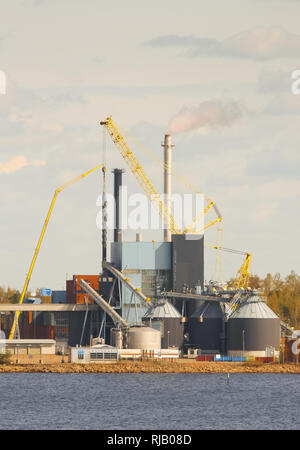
(29,346)
(105,353)
(97,353)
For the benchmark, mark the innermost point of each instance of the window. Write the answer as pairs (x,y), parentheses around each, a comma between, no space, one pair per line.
(81,354)
(103,356)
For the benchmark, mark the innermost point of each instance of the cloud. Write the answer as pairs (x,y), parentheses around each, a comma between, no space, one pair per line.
(270,197)
(205,44)
(13,165)
(2,83)
(211,113)
(38,163)
(273,163)
(283,105)
(262,43)
(17,163)
(34,3)
(274,81)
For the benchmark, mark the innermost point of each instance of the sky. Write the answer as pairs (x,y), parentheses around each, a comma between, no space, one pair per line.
(217,75)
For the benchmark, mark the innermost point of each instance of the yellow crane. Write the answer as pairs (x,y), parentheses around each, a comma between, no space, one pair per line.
(242,277)
(58,190)
(148,187)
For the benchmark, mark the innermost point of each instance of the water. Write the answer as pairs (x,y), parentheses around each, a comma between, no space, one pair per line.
(149,401)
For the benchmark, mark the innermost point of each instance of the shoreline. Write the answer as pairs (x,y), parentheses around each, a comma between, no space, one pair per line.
(152,367)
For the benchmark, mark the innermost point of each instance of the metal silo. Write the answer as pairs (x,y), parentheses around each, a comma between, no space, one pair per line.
(207,328)
(116,337)
(144,338)
(251,328)
(164,317)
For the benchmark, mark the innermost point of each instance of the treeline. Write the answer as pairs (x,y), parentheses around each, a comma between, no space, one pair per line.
(8,295)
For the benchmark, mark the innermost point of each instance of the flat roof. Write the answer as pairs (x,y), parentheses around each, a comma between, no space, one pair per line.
(28,341)
(69,307)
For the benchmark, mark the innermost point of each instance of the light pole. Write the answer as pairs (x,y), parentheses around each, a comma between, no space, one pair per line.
(243,333)
(168,337)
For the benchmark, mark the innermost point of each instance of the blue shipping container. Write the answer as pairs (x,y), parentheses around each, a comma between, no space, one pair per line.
(239,358)
(223,358)
(59,297)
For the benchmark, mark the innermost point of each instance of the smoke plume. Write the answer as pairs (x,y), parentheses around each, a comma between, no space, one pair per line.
(211,113)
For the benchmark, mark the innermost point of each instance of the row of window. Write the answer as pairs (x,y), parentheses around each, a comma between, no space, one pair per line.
(105,355)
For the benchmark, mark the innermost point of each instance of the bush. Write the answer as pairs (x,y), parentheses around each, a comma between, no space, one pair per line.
(5,358)
(254,363)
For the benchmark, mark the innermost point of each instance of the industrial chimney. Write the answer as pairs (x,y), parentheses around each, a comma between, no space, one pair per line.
(117,185)
(167,180)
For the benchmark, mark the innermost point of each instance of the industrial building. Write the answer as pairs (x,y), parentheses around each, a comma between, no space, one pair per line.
(151,296)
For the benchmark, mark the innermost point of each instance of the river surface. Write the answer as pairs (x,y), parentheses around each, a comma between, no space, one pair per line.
(149,401)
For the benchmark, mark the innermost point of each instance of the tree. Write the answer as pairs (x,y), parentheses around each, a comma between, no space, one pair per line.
(5,358)
(15,297)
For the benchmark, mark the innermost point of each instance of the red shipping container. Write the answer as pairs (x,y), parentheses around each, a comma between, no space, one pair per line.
(205,358)
(264,359)
(80,294)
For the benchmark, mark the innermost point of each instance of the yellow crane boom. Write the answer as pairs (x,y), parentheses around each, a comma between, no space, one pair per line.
(58,190)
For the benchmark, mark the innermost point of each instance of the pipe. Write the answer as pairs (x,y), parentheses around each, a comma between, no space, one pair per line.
(117,185)
(127,282)
(116,318)
(167,145)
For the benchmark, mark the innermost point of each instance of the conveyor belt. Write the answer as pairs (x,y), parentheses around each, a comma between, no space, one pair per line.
(126,281)
(117,319)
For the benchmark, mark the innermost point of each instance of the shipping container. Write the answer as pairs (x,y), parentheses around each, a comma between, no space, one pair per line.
(59,297)
(264,359)
(205,358)
(80,294)
(222,358)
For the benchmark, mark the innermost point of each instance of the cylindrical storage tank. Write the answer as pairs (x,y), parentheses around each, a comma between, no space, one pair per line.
(165,318)
(116,338)
(251,328)
(207,328)
(198,289)
(144,338)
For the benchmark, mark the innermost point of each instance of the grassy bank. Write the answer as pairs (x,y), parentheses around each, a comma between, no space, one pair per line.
(153,367)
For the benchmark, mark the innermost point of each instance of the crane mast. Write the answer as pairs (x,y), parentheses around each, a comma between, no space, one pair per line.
(242,277)
(58,190)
